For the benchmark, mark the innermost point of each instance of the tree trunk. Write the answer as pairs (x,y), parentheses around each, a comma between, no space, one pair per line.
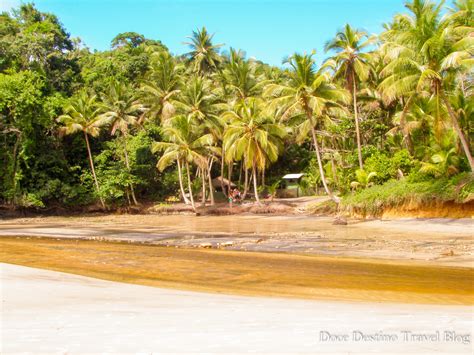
(356,119)
(15,165)
(203,179)
(180,178)
(255,190)
(189,186)
(211,188)
(459,132)
(320,165)
(229,175)
(93,169)
(222,173)
(241,167)
(128,196)
(406,134)
(246,182)
(127,163)
(263,177)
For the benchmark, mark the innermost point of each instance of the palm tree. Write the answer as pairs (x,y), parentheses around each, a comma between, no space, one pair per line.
(462,13)
(162,87)
(203,54)
(183,144)
(309,94)
(122,111)
(244,77)
(201,106)
(83,115)
(424,54)
(352,65)
(253,135)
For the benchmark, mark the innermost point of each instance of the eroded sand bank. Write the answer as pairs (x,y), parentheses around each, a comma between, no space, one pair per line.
(51,312)
(440,241)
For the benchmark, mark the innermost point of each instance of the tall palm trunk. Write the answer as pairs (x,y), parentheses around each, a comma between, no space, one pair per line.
(93,169)
(189,186)
(211,188)
(222,172)
(255,190)
(127,164)
(246,182)
(458,130)
(180,177)
(229,174)
(203,179)
(320,165)
(241,167)
(356,119)
(403,125)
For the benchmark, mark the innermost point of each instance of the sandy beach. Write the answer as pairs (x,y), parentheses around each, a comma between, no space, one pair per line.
(51,312)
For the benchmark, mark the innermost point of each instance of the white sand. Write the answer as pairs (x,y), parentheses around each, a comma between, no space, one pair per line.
(51,312)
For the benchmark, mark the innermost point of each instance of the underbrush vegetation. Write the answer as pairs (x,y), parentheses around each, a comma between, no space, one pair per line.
(411,190)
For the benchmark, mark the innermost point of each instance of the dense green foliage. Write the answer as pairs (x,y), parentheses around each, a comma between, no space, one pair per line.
(384,118)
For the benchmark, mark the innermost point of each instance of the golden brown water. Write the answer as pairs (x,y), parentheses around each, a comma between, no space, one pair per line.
(251,273)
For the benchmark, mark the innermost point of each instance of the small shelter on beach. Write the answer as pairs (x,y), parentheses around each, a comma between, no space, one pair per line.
(290,185)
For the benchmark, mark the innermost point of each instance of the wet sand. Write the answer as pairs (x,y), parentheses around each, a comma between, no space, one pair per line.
(437,241)
(51,312)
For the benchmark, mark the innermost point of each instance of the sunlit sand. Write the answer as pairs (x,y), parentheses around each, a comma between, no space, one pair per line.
(50,312)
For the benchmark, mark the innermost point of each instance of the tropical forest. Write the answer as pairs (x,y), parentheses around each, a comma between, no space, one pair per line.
(374,121)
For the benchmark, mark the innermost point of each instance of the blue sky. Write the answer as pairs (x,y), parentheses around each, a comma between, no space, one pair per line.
(267,30)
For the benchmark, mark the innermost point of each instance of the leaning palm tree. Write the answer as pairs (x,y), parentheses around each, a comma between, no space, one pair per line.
(424,54)
(83,115)
(309,94)
(162,86)
(122,110)
(351,65)
(183,144)
(253,135)
(204,54)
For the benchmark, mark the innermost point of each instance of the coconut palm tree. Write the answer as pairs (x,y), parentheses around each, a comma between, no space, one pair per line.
(162,86)
(253,135)
(204,54)
(424,54)
(198,103)
(244,77)
(122,111)
(352,65)
(82,114)
(184,144)
(309,94)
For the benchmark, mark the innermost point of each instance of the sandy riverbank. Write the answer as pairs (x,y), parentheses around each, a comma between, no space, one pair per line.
(50,312)
(437,241)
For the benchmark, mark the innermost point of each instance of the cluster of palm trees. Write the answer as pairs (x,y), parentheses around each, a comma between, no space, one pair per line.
(232,111)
